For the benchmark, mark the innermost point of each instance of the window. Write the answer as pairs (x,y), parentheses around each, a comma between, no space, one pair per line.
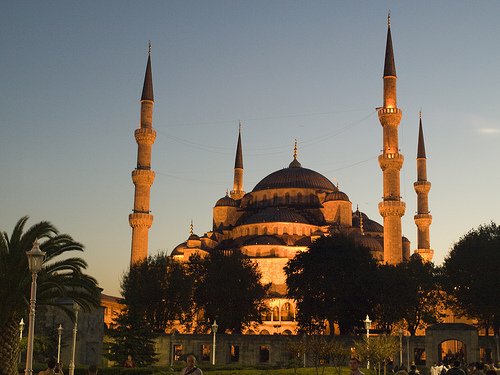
(234,353)
(286,312)
(276,313)
(263,353)
(205,353)
(177,352)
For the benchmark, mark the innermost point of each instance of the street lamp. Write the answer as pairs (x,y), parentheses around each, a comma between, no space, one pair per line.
(368,325)
(214,331)
(35,261)
(73,349)
(21,329)
(400,332)
(59,334)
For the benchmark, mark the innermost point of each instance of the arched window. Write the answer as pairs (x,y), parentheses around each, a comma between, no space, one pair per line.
(275,199)
(299,198)
(276,313)
(286,312)
(287,198)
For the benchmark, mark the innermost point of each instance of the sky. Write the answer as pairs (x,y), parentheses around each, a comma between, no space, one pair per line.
(71,77)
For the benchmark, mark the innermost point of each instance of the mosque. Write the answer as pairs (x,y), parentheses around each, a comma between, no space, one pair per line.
(291,207)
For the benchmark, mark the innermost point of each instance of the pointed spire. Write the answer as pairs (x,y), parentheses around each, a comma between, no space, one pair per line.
(389,66)
(421,145)
(238,161)
(191,231)
(147,89)
(295,163)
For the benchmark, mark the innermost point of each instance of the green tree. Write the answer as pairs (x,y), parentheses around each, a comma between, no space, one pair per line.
(378,350)
(159,289)
(228,289)
(471,276)
(133,336)
(422,302)
(334,281)
(58,278)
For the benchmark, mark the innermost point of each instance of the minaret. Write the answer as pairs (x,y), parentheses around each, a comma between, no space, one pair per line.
(392,208)
(237,192)
(141,219)
(423,219)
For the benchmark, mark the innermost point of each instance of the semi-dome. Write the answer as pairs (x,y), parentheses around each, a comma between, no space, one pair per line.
(337,196)
(226,201)
(295,177)
(272,215)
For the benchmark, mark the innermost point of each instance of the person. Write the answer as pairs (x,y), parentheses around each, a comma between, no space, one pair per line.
(129,362)
(92,370)
(354,366)
(413,370)
(455,369)
(191,368)
(51,367)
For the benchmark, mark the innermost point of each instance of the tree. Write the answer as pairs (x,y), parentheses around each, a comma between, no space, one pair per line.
(58,278)
(378,350)
(227,288)
(422,300)
(133,336)
(334,281)
(159,290)
(471,275)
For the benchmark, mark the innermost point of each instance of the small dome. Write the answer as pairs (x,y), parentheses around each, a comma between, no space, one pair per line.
(272,215)
(370,242)
(226,201)
(194,237)
(337,196)
(179,249)
(368,224)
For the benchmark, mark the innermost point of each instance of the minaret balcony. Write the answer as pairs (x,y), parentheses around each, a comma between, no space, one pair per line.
(143,177)
(145,136)
(391,161)
(390,116)
(392,208)
(140,220)
(422,187)
(423,220)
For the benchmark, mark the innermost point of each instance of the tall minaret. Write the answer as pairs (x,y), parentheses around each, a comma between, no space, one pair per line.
(237,192)
(141,219)
(392,208)
(423,219)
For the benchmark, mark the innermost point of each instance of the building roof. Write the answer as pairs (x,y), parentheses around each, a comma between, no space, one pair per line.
(295,177)
(272,215)
(147,89)
(226,201)
(337,196)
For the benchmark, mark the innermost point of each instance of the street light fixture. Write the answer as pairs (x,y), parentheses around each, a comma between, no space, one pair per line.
(368,325)
(21,329)
(400,332)
(59,334)
(35,261)
(71,366)
(214,331)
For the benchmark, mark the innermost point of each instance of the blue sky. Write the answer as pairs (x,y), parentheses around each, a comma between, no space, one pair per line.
(72,76)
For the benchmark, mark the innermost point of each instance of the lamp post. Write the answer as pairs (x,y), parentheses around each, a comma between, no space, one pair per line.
(400,332)
(214,331)
(408,352)
(59,334)
(73,349)
(21,329)
(35,261)
(368,325)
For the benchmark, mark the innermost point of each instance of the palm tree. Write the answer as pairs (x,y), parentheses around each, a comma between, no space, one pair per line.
(59,278)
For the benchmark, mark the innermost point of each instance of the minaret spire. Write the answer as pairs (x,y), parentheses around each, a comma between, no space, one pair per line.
(422,187)
(141,219)
(237,192)
(392,208)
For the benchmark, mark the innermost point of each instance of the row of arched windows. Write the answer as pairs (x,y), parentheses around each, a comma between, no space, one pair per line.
(287,313)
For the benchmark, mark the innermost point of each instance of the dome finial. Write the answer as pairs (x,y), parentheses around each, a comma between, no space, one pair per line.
(191,228)
(361,228)
(295,163)
(295,149)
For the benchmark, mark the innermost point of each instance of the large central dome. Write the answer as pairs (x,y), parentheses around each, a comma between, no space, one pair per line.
(295,177)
